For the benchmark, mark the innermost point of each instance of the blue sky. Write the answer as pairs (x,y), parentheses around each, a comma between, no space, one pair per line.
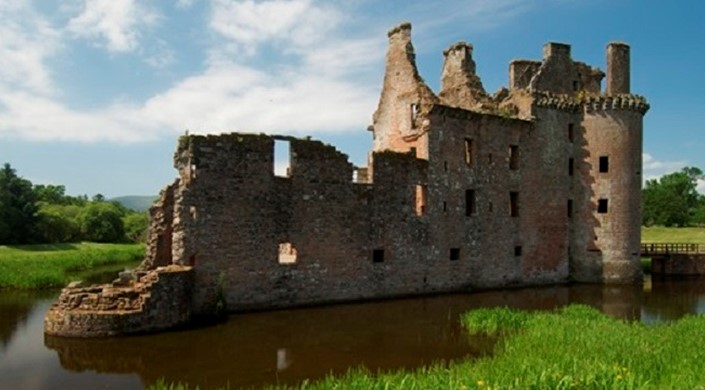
(94,93)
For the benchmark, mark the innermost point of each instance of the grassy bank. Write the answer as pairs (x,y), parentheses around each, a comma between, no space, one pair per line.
(655,234)
(46,266)
(575,347)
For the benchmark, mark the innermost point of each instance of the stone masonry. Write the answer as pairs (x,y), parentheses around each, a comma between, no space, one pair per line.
(536,184)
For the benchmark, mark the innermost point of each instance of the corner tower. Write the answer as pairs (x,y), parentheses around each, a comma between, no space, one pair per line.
(611,171)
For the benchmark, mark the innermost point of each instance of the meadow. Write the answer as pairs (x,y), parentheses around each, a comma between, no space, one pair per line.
(51,266)
(656,234)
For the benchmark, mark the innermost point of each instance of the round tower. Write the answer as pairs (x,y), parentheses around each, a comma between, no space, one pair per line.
(611,172)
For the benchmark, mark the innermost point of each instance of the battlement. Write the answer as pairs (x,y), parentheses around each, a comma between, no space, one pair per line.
(625,102)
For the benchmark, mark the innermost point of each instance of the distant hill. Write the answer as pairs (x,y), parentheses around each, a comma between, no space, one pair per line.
(137,203)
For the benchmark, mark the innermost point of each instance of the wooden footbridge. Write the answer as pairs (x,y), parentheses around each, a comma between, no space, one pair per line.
(675,258)
(656,249)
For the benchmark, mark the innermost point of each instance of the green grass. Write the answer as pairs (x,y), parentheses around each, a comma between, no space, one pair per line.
(47,266)
(576,347)
(658,234)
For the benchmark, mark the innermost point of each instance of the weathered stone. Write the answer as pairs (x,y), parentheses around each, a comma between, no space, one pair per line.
(540,184)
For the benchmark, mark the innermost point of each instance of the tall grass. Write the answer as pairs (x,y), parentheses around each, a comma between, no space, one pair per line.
(576,347)
(47,266)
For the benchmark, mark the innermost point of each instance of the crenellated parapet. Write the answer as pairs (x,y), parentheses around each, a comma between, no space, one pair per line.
(625,102)
(555,101)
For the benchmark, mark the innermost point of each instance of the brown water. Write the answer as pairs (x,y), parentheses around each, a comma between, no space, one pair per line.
(292,345)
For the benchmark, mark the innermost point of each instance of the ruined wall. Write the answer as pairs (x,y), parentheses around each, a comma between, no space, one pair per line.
(397,123)
(158,300)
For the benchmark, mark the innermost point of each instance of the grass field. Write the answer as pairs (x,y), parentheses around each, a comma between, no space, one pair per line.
(47,266)
(694,235)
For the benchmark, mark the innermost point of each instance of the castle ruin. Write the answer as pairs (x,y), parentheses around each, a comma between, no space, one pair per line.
(536,184)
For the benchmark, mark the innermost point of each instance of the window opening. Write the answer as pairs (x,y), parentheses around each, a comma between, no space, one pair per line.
(514,204)
(469,152)
(571,166)
(445,166)
(571,135)
(491,206)
(517,250)
(513,157)
(420,199)
(569,207)
(602,206)
(445,206)
(489,158)
(604,164)
(287,253)
(282,158)
(469,202)
(454,254)
(378,256)
(414,114)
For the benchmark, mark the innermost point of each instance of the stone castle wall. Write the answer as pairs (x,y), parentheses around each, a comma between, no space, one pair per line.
(536,184)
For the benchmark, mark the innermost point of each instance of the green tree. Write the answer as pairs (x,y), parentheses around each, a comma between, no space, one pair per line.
(136,225)
(672,199)
(101,222)
(50,193)
(58,223)
(18,208)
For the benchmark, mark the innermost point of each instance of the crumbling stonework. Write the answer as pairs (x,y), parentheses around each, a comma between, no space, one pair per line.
(537,184)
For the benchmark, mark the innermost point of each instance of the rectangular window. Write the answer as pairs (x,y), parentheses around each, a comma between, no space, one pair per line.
(287,253)
(469,202)
(602,206)
(445,206)
(513,157)
(604,164)
(378,256)
(571,134)
(454,253)
(570,208)
(420,199)
(414,114)
(571,168)
(517,250)
(282,158)
(514,204)
(469,152)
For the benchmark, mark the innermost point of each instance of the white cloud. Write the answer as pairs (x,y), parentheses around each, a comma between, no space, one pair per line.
(115,23)
(247,23)
(26,41)
(231,97)
(654,169)
(37,118)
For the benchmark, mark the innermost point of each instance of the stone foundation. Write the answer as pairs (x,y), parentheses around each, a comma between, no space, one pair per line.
(678,264)
(154,300)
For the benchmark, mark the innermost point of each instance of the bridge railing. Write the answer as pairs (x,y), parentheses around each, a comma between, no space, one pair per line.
(671,248)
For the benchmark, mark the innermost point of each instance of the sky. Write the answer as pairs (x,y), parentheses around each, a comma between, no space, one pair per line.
(95,93)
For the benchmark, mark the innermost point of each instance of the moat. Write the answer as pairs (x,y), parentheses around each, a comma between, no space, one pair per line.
(289,346)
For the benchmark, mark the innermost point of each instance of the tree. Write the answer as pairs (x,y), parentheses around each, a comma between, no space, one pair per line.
(101,222)
(136,225)
(18,208)
(58,223)
(672,199)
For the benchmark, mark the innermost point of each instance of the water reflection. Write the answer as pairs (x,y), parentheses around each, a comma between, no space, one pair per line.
(16,307)
(292,345)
